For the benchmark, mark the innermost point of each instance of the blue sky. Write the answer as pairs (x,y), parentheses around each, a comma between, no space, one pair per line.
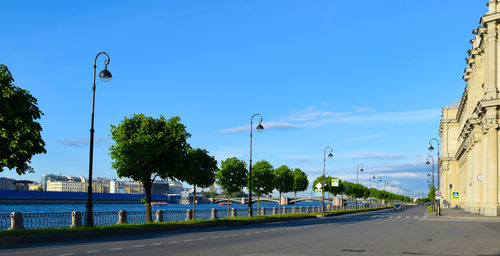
(365,77)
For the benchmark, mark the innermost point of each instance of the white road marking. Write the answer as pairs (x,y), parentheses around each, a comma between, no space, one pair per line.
(202,238)
(248,233)
(115,249)
(156,244)
(399,217)
(188,240)
(173,242)
(407,217)
(214,237)
(415,217)
(138,246)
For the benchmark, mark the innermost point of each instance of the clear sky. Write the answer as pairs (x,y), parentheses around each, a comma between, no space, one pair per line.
(366,77)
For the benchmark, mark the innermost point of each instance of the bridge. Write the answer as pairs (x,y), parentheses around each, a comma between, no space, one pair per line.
(284,200)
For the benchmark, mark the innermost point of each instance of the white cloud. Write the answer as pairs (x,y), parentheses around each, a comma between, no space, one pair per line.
(368,137)
(312,117)
(362,109)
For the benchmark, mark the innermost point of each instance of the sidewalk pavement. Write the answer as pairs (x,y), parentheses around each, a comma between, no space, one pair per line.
(459,214)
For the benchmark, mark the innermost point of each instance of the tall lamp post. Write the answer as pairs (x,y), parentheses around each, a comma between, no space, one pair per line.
(428,163)
(359,169)
(372,176)
(105,76)
(431,148)
(330,155)
(259,128)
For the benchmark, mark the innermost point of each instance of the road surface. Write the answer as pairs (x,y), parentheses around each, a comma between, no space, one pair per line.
(385,232)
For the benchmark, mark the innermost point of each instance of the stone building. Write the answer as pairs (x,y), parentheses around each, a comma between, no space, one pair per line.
(469,128)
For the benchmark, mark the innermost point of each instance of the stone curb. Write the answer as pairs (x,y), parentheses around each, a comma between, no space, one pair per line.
(24,241)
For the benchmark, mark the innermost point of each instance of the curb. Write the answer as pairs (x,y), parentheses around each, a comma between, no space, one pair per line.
(20,241)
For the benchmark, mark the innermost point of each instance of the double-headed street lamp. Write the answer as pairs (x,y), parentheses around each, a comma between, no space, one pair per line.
(105,76)
(372,176)
(259,128)
(330,155)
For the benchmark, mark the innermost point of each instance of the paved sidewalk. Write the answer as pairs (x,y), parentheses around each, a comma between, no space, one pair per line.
(459,214)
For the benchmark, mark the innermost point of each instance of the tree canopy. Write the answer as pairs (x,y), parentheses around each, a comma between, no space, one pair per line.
(300,181)
(262,178)
(200,168)
(283,179)
(20,134)
(147,148)
(232,176)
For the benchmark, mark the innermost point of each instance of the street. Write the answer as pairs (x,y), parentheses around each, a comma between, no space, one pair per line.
(385,232)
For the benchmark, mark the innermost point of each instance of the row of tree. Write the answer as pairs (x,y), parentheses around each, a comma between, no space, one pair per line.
(357,190)
(147,148)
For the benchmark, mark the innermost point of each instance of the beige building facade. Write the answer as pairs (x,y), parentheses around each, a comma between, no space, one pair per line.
(469,127)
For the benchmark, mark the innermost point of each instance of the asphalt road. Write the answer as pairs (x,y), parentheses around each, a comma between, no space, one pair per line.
(386,232)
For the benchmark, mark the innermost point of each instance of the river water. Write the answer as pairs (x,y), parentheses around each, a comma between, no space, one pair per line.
(64,208)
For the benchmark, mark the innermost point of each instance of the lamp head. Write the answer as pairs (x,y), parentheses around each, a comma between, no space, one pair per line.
(361,170)
(427,163)
(259,127)
(431,148)
(330,155)
(105,75)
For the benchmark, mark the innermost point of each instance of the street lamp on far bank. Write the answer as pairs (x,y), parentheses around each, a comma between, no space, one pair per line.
(105,76)
(359,168)
(259,128)
(330,155)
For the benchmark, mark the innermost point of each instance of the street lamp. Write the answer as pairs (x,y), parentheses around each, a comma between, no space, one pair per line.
(259,128)
(428,163)
(358,170)
(372,176)
(330,155)
(105,76)
(431,148)
(379,180)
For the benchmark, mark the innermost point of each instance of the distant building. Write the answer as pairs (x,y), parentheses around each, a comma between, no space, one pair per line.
(66,186)
(175,187)
(34,187)
(54,177)
(7,184)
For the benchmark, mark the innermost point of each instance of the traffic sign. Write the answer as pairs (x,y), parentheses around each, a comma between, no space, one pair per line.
(319,186)
(335,182)
(438,192)
(438,197)
(455,194)
(318,192)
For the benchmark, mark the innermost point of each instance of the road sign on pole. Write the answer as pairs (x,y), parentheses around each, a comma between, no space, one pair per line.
(455,194)
(318,185)
(335,182)
(438,192)
(318,192)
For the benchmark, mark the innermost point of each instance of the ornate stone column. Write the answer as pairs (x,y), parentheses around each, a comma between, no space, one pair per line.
(476,188)
(491,78)
(490,205)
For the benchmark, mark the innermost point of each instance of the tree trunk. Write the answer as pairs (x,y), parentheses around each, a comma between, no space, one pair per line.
(258,204)
(295,203)
(228,205)
(147,189)
(279,204)
(194,202)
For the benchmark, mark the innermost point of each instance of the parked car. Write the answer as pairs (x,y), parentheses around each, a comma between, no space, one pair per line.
(398,207)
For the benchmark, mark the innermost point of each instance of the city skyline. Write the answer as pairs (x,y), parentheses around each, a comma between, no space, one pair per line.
(319,78)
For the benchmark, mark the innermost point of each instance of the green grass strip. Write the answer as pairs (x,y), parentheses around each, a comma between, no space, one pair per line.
(26,232)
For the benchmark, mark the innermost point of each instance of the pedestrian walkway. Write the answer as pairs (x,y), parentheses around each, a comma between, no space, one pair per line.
(459,214)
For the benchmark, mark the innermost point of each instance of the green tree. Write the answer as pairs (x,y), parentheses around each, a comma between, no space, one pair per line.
(199,170)
(232,177)
(283,181)
(262,179)
(20,134)
(300,182)
(147,148)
